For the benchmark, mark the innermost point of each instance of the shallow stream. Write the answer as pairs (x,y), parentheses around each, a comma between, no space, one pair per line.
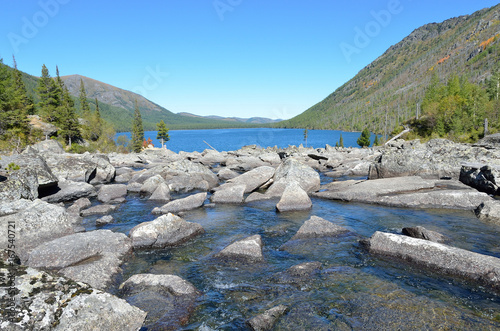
(353,290)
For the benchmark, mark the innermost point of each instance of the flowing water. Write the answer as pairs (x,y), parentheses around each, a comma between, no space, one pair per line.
(352,291)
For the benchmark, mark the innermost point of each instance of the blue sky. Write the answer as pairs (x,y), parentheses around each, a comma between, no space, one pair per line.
(215,57)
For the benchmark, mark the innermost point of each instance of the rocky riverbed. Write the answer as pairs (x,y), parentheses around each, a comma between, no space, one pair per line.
(251,238)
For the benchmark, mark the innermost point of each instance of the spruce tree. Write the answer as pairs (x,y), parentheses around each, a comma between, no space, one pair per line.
(67,121)
(84,103)
(21,106)
(376,142)
(50,97)
(364,138)
(306,135)
(162,133)
(341,141)
(137,130)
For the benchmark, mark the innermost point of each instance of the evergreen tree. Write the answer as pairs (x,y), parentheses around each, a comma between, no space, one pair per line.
(50,96)
(306,134)
(84,103)
(4,98)
(376,142)
(137,130)
(21,105)
(67,121)
(494,85)
(162,133)
(341,141)
(364,138)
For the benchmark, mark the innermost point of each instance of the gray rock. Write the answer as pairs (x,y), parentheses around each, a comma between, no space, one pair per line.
(187,176)
(69,191)
(225,174)
(292,170)
(188,203)
(104,220)
(168,299)
(481,177)
(90,168)
(229,193)
(256,196)
(435,159)
(22,184)
(130,159)
(112,193)
(420,232)
(47,129)
(252,179)
(99,210)
(489,211)
(298,274)
(49,146)
(294,198)
(267,319)
(52,302)
(165,231)
(35,222)
(162,193)
(78,205)
(247,250)
(91,257)
(151,184)
(448,260)
(411,192)
(271,158)
(244,163)
(317,227)
(489,142)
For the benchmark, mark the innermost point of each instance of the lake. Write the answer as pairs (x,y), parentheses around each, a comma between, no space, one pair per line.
(233,139)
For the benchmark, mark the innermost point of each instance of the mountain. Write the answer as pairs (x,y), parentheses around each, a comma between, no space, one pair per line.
(252,120)
(120,108)
(389,90)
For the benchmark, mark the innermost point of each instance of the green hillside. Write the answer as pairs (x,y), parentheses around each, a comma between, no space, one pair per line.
(389,91)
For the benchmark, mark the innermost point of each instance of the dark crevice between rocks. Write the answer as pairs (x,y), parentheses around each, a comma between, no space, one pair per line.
(46,190)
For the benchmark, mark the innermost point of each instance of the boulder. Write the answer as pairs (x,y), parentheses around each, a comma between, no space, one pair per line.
(481,177)
(267,319)
(229,193)
(129,159)
(225,174)
(294,198)
(188,203)
(420,232)
(293,170)
(69,191)
(252,179)
(48,130)
(35,222)
(21,184)
(298,274)
(161,193)
(438,158)
(165,231)
(98,210)
(151,184)
(246,250)
(271,158)
(78,205)
(49,146)
(483,269)
(107,219)
(168,299)
(187,176)
(51,302)
(113,193)
(92,257)
(317,227)
(90,168)
(410,192)
(489,211)
(491,141)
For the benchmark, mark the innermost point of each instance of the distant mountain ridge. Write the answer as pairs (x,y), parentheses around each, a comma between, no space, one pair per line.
(252,120)
(388,91)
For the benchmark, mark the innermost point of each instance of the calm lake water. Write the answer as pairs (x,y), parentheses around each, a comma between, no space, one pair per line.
(233,139)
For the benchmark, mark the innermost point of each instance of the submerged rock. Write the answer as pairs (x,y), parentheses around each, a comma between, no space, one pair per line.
(168,299)
(248,250)
(188,203)
(420,232)
(298,274)
(461,263)
(165,231)
(489,211)
(317,227)
(98,210)
(267,319)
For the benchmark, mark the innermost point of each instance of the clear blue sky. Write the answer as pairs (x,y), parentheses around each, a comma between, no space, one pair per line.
(224,57)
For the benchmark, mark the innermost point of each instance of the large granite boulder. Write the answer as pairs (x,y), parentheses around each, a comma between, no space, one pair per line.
(483,269)
(438,158)
(161,193)
(165,231)
(317,227)
(252,179)
(489,211)
(184,176)
(293,170)
(229,193)
(151,184)
(92,257)
(44,301)
(168,299)
(90,168)
(113,193)
(49,146)
(491,141)
(188,203)
(294,198)
(68,190)
(35,222)
(248,250)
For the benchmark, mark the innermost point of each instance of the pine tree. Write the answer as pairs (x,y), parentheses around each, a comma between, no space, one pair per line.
(4,98)
(341,141)
(84,103)
(376,142)
(21,106)
(137,130)
(306,135)
(50,97)
(69,128)
(162,133)
(364,138)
